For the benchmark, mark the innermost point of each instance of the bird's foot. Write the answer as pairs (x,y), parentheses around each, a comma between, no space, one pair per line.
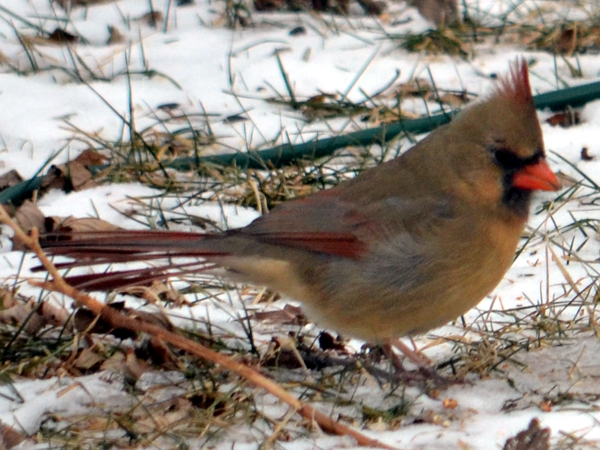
(426,373)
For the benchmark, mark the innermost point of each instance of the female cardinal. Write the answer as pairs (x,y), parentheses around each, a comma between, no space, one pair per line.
(400,249)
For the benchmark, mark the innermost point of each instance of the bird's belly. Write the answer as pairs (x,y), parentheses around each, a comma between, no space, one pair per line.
(375,309)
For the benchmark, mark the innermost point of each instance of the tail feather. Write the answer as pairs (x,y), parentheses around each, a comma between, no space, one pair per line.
(123,279)
(121,246)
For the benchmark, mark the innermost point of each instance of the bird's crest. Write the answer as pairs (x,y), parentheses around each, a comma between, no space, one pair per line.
(516,85)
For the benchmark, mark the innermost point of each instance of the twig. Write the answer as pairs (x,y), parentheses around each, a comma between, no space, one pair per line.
(118,320)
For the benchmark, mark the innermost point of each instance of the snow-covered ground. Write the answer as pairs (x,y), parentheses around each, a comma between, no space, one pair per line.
(212,72)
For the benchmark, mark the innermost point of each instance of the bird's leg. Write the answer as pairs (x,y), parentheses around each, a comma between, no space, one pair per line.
(388,350)
(402,375)
(420,360)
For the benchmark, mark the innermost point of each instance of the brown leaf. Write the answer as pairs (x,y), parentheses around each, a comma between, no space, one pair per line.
(289,315)
(135,367)
(115,363)
(565,119)
(175,411)
(440,12)
(54,179)
(56,315)
(115,36)
(210,401)
(157,291)
(28,216)
(9,179)
(67,4)
(89,158)
(73,224)
(21,314)
(9,437)
(87,321)
(268,5)
(68,177)
(7,298)
(60,36)
(88,359)
(373,8)
(152,18)
(533,438)
(567,41)
(159,354)
(80,177)
(454,100)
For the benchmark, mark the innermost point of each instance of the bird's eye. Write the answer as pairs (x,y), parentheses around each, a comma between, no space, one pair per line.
(507,159)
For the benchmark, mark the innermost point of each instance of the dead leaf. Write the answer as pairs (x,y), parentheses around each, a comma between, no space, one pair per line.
(373,8)
(289,315)
(54,179)
(115,36)
(9,179)
(567,41)
(152,18)
(21,314)
(565,119)
(76,225)
(174,413)
(89,158)
(54,314)
(60,36)
(88,359)
(68,177)
(453,100)
(28,216)
(67,4)
(80,177)
(533,438)
(268,5)
(157,291)
(88,322)
(440,12)
(9,437)
(135,366)
(159,354)
(7,298)
(115,363)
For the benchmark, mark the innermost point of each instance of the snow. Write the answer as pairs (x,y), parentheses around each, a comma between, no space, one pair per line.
(205,67)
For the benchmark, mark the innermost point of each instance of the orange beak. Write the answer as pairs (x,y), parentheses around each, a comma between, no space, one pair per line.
(536,177)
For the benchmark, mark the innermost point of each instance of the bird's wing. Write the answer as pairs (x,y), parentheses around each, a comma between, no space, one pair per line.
(331,225)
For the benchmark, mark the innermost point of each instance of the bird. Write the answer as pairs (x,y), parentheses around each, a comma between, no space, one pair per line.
(398,250)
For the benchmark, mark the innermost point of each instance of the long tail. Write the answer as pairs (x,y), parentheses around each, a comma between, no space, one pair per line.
(123,246)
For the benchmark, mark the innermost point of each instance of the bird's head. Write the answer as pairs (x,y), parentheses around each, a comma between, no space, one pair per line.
(513,163)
